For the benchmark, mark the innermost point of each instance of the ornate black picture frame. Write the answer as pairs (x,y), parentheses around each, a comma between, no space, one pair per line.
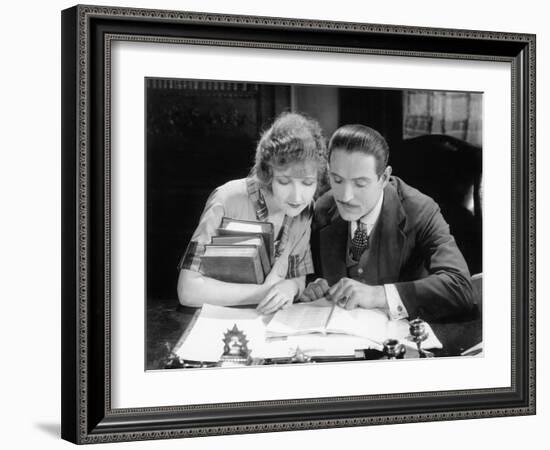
(87,35)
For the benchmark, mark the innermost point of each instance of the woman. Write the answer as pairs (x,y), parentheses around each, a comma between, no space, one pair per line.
(290,161)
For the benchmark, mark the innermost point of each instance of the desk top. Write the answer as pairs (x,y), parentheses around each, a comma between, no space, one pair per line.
(167,320)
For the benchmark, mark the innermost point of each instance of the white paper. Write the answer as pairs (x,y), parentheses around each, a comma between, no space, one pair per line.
(368,323)
(205,340)
(331,344)
(300,318)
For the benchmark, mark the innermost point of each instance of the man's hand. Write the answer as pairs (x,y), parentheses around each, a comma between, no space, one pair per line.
(314,290)
(351,294)
(281,295)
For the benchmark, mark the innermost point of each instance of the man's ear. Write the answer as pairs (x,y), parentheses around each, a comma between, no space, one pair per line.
(386,176)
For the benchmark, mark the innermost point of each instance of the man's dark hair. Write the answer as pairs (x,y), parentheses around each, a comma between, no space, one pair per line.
(360,138)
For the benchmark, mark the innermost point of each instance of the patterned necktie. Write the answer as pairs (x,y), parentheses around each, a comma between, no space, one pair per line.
(360,241)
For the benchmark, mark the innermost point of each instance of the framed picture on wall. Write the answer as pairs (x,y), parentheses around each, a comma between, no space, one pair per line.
(292,201)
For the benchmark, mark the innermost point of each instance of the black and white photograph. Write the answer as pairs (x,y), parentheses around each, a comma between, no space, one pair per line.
(300,224)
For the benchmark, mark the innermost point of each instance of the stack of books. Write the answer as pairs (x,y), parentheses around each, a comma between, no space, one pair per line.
(241,252)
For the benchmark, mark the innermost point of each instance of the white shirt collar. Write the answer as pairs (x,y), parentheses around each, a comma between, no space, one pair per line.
(371,217)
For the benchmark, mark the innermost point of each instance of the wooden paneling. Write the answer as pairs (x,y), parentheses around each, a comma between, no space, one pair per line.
(200,134)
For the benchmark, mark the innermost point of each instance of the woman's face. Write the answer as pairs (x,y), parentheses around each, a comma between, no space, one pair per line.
(294,186)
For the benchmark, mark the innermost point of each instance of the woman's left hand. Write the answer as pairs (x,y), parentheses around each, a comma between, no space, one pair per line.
(279,296)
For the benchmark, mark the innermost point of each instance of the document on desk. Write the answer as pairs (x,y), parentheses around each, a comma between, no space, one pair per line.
(205,340)
(309,326)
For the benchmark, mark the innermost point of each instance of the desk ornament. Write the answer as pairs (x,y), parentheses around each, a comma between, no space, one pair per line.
(235,349)
(393,349)
(172,360)
(300,357)
(418,334)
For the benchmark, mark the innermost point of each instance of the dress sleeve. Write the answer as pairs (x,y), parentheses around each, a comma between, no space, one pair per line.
(210,220)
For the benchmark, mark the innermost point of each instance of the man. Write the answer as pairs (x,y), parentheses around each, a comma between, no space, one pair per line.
(379,243)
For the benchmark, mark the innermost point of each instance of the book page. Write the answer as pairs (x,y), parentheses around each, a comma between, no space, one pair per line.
(367,323)
(252,241)
(300,318)
(375,325)
(246,227)
(230,250)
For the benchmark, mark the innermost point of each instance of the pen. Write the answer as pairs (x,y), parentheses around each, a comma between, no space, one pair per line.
(329,317)
(475,350)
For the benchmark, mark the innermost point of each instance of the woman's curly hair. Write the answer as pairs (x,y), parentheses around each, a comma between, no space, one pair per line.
(292,138)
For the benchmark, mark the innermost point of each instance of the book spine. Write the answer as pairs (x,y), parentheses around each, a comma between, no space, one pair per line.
(258,269)
(264,259)
(233,269)
(271,247)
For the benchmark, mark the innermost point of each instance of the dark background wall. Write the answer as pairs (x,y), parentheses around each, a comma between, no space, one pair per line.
(201,134)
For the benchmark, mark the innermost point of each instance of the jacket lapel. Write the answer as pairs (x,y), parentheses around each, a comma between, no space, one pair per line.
(387,241)
(333,249)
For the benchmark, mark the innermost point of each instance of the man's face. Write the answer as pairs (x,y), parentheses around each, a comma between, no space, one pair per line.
(355,185)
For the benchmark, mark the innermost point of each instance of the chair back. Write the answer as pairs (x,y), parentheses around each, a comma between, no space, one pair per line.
(449,170)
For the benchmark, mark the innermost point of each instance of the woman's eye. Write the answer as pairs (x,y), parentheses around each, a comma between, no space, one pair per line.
(308,182)
(361,184)
(337,180)
(283,181)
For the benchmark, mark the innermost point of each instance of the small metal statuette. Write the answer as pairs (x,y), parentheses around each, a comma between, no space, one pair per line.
(235,349)
(172,361)
(300,357)
(393,349)
(417,329)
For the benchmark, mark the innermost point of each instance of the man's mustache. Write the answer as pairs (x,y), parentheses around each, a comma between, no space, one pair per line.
(346,204)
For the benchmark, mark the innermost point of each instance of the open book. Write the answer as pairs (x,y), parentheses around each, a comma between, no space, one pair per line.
(322,316)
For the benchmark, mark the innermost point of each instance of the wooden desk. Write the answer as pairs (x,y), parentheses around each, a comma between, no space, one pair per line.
(167,320)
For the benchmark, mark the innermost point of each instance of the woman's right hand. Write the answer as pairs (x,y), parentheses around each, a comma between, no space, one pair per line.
(279,296)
